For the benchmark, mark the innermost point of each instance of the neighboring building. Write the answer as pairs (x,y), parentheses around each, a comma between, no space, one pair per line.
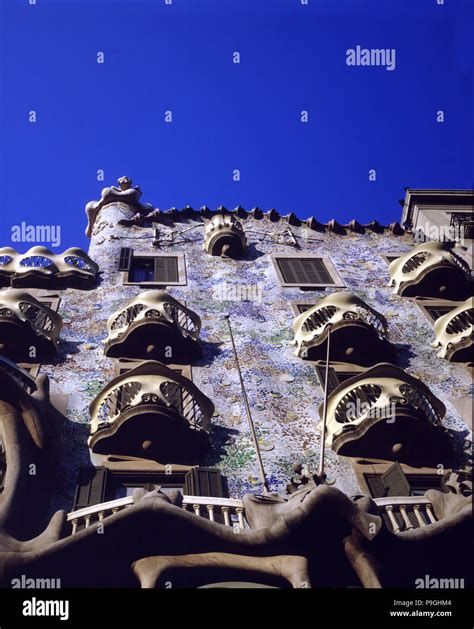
(136,342)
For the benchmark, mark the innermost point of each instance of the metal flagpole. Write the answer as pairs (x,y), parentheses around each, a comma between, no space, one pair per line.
(325,408)
(247,408)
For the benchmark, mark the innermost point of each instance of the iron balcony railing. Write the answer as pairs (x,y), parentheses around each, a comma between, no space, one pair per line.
(151,383)
(336,310)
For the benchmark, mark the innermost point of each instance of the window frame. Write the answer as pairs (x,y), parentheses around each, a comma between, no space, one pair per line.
(122,365)
(370,468)
(329,265)
(295,306)
(181,263)
(426,304)
(336,368)
(386,257)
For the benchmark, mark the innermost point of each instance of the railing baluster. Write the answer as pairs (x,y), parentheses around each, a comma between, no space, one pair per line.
(430,513)
(416,509)
(225,511)
(210,510)
(406,519)
(240,515)
(389,511)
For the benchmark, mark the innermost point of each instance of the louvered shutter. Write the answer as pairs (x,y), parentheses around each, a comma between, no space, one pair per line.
(333,380)
(304,271)
(395,481)
(376,486)
(166,270)
(91,489)
(125,261)
(204,481)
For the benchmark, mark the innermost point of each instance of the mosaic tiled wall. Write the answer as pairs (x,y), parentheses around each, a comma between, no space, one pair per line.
(283,390)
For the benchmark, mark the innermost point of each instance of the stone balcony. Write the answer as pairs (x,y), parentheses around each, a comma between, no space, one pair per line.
(224,236)
(151,412)
(41,268)
(26,323)
(454,333)
(431,269)
(359,333)
(385,413)
(155,326)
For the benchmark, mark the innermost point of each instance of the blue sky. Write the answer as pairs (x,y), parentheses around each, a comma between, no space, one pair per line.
(227,116)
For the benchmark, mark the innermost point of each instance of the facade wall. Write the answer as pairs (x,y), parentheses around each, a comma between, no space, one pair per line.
(283,390)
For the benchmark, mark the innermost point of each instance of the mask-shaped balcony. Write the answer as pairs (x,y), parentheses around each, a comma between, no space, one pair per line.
(26,323)
(454,332)
(151,412)
(431,269)
(156,326)
(224,236)
(385,413)
(41,268)
(358,332)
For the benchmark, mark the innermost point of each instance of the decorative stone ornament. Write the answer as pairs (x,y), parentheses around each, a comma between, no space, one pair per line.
(385,413)
(454,333)
(27,325)
(431,269)
(359,334)
(154,325)
(224,236)
(151,412)
(124,194)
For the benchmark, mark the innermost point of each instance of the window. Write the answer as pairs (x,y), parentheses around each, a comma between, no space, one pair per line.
(154,270)
(337,374)
(389,258)
(122,366)
(299,307)
(101,484)
(387,479)
(435,308)
(306,272)
(394,482)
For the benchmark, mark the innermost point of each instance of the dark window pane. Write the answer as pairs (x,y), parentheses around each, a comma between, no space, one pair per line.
(142,270)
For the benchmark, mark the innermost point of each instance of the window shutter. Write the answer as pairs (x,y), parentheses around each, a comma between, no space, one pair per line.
(333,380)
(304,271)
(166,270)
(395,481)
(376,486)
(125,261)
(91,489)
(204,481)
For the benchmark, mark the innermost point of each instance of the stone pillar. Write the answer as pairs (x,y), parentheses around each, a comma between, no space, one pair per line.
(107,235)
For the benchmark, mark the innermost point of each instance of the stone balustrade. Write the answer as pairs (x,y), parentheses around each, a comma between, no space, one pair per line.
(406,512)
(227,511)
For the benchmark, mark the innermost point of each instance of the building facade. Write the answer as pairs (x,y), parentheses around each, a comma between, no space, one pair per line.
(187,358)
